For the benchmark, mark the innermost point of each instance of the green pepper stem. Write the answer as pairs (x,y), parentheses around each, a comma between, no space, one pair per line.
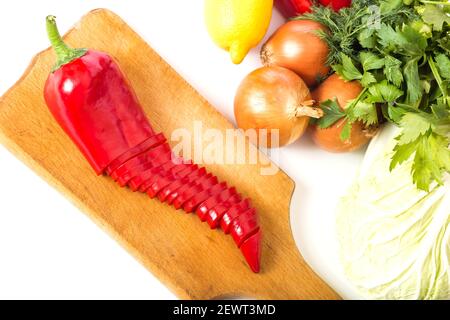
(64,53)
(61,49)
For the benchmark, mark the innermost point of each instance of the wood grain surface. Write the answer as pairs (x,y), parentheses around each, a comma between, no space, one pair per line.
(192,260)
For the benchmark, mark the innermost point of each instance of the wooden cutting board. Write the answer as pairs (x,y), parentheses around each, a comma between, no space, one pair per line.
(192,260)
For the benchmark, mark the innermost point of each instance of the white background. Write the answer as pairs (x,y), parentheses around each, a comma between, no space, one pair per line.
(49,249)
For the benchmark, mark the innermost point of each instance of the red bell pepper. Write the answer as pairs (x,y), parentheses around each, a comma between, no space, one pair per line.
(93,103)
(292,8)
(90,98)
(336,4)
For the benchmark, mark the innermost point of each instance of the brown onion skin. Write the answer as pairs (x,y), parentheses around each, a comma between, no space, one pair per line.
(296,46)
(329,139)
(268,98)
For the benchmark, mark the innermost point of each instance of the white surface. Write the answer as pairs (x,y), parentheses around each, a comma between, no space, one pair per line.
(48,249)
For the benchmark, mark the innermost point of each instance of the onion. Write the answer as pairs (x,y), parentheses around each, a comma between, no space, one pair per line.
(296,46)
(330,138)
(274,98)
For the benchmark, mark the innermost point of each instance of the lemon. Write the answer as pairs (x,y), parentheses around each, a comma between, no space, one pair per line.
(237,25)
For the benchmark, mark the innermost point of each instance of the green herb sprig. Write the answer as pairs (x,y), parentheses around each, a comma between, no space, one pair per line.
(399,51)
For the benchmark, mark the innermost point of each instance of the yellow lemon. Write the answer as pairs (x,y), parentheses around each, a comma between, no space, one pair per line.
(237,25)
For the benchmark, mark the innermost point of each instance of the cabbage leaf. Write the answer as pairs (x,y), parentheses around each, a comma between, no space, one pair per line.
(394,238)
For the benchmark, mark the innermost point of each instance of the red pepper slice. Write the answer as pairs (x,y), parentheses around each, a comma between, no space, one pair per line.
(212,201)
(251,249)
(233,213)
(152,142)
(162,160)
(244,226)
(192,204)
(204,183)
(222,203)
(196,175)
(149,176)
(176,173)
(175,185)
(142,159)
(125,178)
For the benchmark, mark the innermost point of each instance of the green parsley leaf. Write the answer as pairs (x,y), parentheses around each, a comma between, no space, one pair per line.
(440,145)
(443,64)
(395,113)
(423,28)
(413,126)
(389,38)
(383,92)
(440,111)
(414,89)
(402,153)
(365,112)
(332,113)
(431,159)
(406,40)
(367,79)
(392,70)
(346,131)
(347,70)
(367,38)
(370,61)
(415,42)
(444,43)
(436,16)
(388,6)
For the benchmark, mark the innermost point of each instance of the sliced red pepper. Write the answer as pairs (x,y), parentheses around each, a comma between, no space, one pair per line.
(151,142)
(212,201)
(125,177)
(251,249)
(193,177)
(231,214)
(223,203)
(166,191)
(192,204)
(204,183)
(170,192)
(165,170)
(92,102)
(244,226)
(162,150)
(177,173)
(161,159)
(149,176)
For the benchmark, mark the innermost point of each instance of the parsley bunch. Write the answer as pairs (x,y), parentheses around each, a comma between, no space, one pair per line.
(399,51)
